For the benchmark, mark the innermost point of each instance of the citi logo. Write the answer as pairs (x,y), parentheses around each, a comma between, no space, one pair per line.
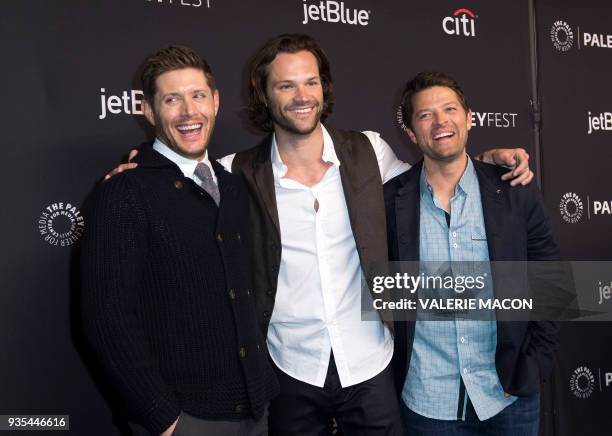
(335,12)
(461,23)
(128,102)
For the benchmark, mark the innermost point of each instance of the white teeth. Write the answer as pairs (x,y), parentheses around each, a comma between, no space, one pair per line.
(443,135)
(302,111)
(189,127)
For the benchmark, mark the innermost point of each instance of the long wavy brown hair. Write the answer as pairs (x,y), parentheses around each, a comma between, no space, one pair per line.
(286,43)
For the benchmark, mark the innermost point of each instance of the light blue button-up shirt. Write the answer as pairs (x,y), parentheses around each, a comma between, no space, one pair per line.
(444,352)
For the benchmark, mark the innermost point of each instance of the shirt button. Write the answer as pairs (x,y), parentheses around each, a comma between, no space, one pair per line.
(465,370)
(242,352)
(455,245)
(219,237)
(232,294)
(454,234)
(462,340)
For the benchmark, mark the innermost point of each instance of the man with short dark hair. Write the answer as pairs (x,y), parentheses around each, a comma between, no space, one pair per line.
(461,377)
(168,305)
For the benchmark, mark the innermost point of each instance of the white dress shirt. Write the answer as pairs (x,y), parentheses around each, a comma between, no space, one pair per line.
(318,298)
(186,165)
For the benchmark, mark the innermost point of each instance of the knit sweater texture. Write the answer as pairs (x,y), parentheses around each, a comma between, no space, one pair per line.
(167,296)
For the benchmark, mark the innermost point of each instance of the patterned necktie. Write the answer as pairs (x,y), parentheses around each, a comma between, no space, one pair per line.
(203,173)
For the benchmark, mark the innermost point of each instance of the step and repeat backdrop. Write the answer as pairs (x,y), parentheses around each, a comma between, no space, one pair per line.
(575,66)
(71,111)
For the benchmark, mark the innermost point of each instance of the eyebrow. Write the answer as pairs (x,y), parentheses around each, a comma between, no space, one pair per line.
(442,105)
(293,81)
(178,94)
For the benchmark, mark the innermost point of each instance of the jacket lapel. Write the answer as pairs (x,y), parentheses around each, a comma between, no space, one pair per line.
(264,180)
(492,195)
(407,213)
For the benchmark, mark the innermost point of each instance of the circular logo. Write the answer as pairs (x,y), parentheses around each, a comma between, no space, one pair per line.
(399,117)
(571,208)
(582,382)
(562,36)
(61,224)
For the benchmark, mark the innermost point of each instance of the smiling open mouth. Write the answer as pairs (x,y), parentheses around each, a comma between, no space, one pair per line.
(443,135)
(302,111)
(189,129)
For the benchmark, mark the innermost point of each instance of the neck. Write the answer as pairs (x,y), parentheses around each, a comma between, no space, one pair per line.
(300,149)
(444,177)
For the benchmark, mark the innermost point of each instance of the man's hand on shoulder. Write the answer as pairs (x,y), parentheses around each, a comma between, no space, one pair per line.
(516,159)
(124,166)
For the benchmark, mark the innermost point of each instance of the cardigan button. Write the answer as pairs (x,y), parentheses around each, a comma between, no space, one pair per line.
(238,236)
(242,352)
(248,292)
(238,408)
(266,314)
(219,237)
(404,238)
(270,293)
(178,184)
(232,294)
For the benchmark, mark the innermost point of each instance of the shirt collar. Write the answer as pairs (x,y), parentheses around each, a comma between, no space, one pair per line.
(186,165)
(468,183)
(329,154)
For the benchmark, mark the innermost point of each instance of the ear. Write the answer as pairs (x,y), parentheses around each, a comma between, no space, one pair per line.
(469,120)
(411,135)
(216,100)
(148,112)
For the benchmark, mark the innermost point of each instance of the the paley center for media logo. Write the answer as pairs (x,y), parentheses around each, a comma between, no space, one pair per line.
(583,381)
(572,208)
(330,11)
(61,224)
(462,22)
(563,38)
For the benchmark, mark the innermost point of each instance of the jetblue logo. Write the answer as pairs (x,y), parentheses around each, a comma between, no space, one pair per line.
(128,102)
(334,12)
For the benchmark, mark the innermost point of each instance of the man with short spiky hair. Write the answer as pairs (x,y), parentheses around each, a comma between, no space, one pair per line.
(166,275)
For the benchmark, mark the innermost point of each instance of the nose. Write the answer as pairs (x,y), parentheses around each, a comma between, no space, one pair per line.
(188,106)
(300,93)
(440,117)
